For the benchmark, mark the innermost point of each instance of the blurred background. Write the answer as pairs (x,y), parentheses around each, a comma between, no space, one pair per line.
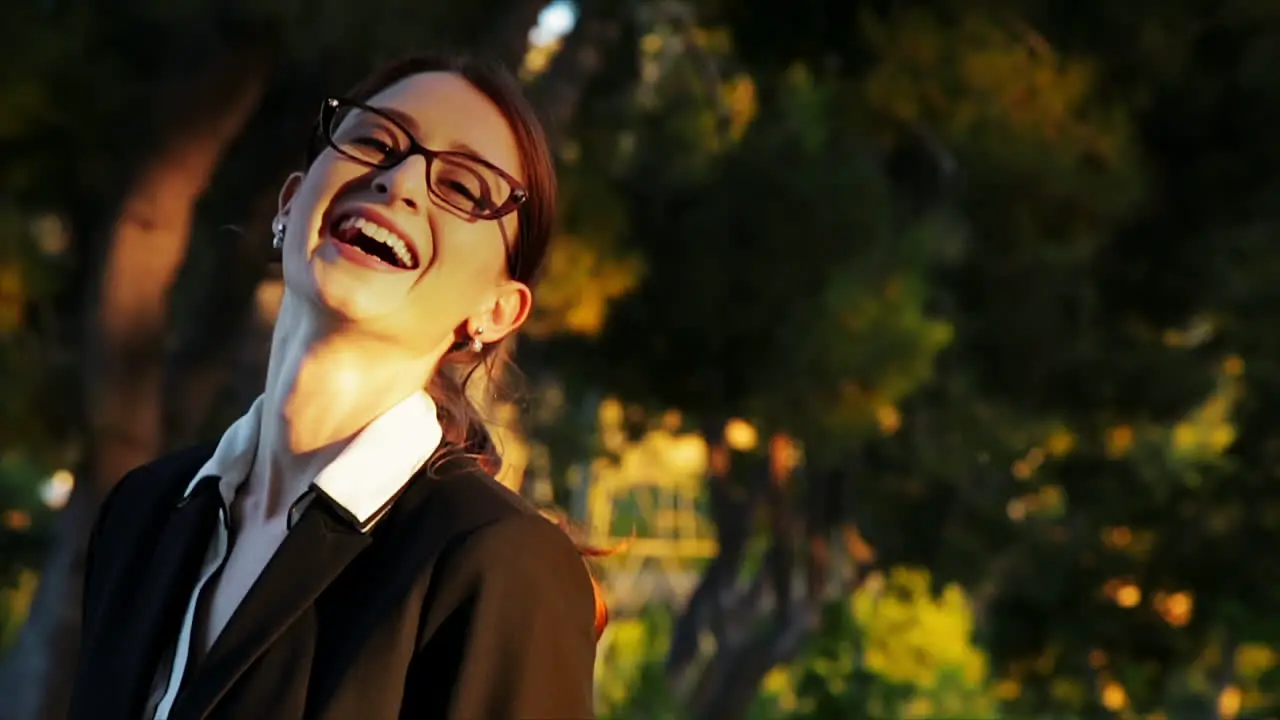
(922,355)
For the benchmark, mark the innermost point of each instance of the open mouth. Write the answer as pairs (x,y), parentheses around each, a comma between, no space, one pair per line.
(374,240)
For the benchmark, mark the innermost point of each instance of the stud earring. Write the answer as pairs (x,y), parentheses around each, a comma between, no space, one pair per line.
(476,343)
(277,233)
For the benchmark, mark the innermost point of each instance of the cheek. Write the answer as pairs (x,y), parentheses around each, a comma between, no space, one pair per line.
(469,251)
(318,188)
(304,227)
(469,262)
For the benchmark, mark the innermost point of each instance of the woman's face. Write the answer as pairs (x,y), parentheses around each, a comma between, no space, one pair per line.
(446,270)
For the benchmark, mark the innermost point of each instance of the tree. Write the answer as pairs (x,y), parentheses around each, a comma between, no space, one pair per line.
(811,339)
(1038,371)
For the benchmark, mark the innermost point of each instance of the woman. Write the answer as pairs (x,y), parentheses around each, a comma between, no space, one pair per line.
(343,551)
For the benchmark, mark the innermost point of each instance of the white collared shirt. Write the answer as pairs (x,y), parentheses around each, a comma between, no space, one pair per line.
(362,482)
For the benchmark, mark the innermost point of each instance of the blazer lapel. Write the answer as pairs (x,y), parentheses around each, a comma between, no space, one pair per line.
(152,605)
(316,550)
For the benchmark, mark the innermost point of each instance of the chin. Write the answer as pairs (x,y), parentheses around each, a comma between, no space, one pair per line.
(356,298)
(346,293)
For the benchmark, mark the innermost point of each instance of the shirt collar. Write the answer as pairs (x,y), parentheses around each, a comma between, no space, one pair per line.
(363,479)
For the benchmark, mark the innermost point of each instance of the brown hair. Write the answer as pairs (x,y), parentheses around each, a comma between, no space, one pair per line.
(463,424)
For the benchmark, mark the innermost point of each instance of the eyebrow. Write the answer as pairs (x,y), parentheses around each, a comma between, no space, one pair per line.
(411,123)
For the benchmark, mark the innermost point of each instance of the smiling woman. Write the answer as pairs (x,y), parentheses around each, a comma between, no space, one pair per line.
(344,551)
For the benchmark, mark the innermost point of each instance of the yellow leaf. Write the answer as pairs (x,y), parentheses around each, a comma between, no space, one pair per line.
(741,435)
(1253,659)
(580,282)
(1128,596)
(1114,698)
(1229,701)
(1060,442)
(1119,441)
(889,418)
(741,99)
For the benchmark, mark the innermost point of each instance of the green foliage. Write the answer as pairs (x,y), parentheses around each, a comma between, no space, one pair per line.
(742,315)
(31,272)
(15,602)
(630,683)
(1087,228)
(894,650)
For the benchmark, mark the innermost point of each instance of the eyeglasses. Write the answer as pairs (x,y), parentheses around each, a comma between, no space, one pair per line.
(460,180)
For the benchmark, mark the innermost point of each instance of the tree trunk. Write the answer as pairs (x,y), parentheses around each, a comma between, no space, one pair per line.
(124,323)
(148,243)
(765,624)
(733,509)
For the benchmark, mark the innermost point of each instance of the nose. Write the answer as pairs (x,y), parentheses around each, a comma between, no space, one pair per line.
(404,183)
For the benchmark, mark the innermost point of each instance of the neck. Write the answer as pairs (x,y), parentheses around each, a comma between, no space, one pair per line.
(325,383)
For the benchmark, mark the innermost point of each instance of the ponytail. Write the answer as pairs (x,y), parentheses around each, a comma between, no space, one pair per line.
(463,426)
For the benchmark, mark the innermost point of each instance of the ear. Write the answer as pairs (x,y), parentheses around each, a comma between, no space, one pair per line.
(287,191)
(504,315)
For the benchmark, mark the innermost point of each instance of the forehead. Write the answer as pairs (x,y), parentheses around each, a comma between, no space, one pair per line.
(445,110)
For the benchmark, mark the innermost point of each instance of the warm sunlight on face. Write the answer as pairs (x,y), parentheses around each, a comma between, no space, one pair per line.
(436,268)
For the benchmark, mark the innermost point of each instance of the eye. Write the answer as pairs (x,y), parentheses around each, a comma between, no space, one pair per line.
(374,143)
(461,188)
(465,183)
(367,137)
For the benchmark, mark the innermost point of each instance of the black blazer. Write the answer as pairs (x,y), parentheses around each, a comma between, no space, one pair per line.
(462,603)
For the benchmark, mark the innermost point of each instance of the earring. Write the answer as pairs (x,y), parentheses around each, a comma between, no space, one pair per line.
(277,233)
(476,343)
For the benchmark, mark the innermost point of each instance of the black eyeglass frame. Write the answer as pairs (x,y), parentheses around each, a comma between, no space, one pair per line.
(330,108)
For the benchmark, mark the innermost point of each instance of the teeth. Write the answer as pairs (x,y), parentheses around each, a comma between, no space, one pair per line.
(381,234)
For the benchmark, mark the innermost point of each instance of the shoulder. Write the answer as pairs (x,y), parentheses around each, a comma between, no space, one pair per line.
(524,544)
(502,521)
(148,488)
(511,575)
(459,491)
(508,624)
(128,520)
(510,546)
